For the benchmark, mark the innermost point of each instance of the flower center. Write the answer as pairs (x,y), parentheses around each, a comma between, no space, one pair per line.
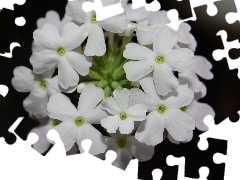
(93,18)
(61,51)
(161,108)
(55,122)
(123,116)
(184,108)
(79,121)
(160,59)
(121,143)
(43,85)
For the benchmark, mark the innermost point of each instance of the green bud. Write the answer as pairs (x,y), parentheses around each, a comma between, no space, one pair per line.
(116,85)
(107,91)
(102,84)
(94,75)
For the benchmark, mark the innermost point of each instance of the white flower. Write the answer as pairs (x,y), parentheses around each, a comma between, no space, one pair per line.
(123,114)
(96,42)
(201,67)
(52,17)
(159,19)
(162,61)
(40,86)
(76,123)
(127,147)
(199,111)
(58,52)
(164,113)
(43,143)
(188,139)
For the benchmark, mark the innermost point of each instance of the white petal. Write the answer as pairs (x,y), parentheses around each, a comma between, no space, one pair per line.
(111,106)
(202,67)
(89,98)
(23,80)
(181,97)
(145,34)
(95,116)
(36,103)
(98,143)
(60,107)
(42,144)
(96,43)
(164,79)
(73,35)
(150,131)
(164,40)
(68,133)
(137,112)
(54,87)
(49,73)
(138,14)
(184,36)
(141,151)
(115,24)
(138,96)
(44,60)
(190,78)
(149,88)
(111,123)
(180,59)
(158,18)
(47,37)
(52,17)
(123,159)
(79,62)
(199,111)
(126,126)
(179,124)
(74,9)
(67,76)
(131,27)
(121,97)
(135,51)
(135,70)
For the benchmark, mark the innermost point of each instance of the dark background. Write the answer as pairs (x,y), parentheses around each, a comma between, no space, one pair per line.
(222,95)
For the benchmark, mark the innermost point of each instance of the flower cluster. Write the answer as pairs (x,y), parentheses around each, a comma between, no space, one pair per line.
(136,78)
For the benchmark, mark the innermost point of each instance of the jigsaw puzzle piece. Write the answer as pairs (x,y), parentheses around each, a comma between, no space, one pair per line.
(103,12)
(157,174)
(180,162)
(152,6)
(219,54)
(232,17)
(195,159)
(229,131)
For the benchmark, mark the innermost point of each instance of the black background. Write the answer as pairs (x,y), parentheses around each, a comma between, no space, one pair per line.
(222,95)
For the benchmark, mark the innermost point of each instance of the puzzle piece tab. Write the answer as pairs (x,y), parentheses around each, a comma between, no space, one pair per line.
(180,162)
(229,131)
(219,54)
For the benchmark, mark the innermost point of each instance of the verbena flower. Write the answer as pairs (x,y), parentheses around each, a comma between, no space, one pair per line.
(76,123)
(164,113)
(40,86)
(127,147)
(58,52)
(162,60)
(122,115)
(96,43)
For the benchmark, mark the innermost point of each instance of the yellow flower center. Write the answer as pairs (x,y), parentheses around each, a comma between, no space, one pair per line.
(121,143)
(79,121)
(93,18)
(61,51)
(160,59)
(123,116)
(43,85)
(161,109)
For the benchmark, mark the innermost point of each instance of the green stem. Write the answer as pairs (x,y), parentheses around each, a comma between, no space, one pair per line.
(125,41)
(110,39)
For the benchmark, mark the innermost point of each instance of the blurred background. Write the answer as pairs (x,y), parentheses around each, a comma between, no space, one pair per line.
(222,91)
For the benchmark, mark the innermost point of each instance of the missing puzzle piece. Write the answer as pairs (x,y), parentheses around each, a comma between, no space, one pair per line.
(229,131)
(219,54)
(180,162)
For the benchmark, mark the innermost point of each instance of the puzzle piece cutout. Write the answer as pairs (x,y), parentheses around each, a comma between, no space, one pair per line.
(229,131)
(101,11)
(9,4)
(12,46)
(232,17)
(219,54)
(28,162)
(180,162)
